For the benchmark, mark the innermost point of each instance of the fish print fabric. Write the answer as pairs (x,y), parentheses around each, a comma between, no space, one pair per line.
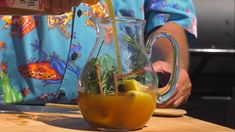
(41,57)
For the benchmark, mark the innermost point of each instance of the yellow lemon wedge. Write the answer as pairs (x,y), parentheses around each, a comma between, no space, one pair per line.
(132,84)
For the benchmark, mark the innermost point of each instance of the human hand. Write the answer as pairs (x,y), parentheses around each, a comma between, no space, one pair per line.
(183,86)
(60,6)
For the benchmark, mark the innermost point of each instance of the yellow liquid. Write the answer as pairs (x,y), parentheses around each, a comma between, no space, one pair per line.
(112,16)
(129,111)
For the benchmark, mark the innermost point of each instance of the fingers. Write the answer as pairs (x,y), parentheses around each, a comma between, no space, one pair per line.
(175,101)
(183,88)
(162,66)
(169,102)
(180,97)
(182,92)
(180,101)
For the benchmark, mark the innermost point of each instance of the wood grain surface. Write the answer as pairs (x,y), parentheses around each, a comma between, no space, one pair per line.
(59,122)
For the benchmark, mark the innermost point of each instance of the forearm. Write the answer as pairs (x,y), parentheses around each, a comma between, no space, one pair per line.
(163,50)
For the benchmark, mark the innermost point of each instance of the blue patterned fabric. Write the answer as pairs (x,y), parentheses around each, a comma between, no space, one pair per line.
(41,57)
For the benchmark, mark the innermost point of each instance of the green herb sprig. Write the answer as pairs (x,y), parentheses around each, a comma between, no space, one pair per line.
(90,80)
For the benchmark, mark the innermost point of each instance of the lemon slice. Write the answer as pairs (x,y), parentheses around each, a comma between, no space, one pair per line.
(132,84)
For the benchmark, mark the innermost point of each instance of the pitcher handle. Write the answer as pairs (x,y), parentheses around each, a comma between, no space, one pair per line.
(166,92)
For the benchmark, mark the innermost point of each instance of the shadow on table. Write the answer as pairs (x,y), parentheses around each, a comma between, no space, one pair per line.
(52,116)
(57,120)
(76,123)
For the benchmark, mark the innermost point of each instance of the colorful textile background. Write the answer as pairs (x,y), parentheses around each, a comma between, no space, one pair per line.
(41,57)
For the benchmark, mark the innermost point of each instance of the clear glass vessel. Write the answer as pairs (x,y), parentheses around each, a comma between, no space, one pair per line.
(118,87)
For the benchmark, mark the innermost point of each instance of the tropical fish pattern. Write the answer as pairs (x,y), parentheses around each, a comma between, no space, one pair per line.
(39,70)
(41,57)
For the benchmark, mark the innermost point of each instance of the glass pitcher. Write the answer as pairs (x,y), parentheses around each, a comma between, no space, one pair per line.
(118,87)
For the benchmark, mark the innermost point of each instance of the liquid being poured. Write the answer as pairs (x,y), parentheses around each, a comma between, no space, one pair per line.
(112,16)
(110,8)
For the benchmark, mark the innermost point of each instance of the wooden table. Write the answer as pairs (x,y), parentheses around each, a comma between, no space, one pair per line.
(69,122)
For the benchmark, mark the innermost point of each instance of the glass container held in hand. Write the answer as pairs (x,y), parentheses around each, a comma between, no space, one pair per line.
(118,87)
